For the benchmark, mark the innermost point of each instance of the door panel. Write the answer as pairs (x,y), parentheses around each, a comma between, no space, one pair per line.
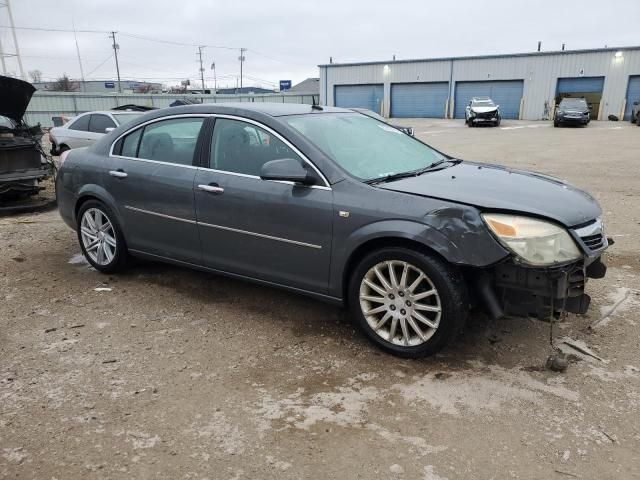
(273,231)
(154,194)
(359,96)
(506,93)
(414,100)
(633,95)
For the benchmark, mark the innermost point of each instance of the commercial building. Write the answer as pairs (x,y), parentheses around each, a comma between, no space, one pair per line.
(525,85)
(104,86)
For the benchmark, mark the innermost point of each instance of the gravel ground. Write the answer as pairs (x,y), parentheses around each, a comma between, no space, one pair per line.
(162,372)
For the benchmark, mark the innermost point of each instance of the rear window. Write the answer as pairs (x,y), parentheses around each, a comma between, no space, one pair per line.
(81,124)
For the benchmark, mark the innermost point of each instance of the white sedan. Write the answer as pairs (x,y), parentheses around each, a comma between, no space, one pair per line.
(86,129)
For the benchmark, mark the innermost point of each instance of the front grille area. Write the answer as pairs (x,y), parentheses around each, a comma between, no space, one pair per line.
(593,242)
(592,235)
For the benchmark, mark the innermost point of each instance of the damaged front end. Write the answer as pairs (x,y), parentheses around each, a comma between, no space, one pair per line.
(514,288)
(23,164)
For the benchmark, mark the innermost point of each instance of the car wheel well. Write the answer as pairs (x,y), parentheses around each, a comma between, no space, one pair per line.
(376,244)
(81,201)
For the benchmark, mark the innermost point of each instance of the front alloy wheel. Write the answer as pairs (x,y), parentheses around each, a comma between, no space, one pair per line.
(400,303)
(409,303)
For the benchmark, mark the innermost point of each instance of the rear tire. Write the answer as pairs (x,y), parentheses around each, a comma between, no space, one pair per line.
(100,237)
(414,311)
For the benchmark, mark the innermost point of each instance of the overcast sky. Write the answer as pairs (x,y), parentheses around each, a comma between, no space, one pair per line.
(287,39)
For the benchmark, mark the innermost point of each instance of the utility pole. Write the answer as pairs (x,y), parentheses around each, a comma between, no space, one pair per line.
(116,47)
(242,59)
(215,81)
(201,68)
(83,86)
(7,5)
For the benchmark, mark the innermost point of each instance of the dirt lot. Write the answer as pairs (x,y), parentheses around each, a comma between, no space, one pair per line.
(169,373)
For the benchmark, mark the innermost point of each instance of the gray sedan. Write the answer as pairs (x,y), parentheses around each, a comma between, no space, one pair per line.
(339,206)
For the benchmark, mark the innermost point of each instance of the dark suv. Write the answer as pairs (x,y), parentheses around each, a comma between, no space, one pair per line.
(574,111)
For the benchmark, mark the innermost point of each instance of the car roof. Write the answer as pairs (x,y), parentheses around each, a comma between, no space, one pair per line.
(272,109)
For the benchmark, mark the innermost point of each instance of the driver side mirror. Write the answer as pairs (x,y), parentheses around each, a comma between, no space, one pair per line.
(286,170)
(109,129)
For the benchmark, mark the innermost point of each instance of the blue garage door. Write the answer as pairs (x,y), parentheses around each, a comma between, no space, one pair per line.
(580,85)
(359,96)
(633,95)
(413,100)
(506,93)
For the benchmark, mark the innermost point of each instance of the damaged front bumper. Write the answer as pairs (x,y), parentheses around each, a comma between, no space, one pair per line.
(509,288)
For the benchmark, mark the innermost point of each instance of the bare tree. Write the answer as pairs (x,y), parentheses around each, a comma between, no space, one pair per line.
(64,84)
(36,75)
(145,88)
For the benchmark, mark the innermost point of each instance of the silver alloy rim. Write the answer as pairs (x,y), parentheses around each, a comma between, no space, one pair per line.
(400,303)
(98,236)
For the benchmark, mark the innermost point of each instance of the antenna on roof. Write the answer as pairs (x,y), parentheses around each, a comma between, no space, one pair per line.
(316,107)
(539,45)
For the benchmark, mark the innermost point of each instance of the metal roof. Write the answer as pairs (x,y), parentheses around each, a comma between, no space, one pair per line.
(482,57)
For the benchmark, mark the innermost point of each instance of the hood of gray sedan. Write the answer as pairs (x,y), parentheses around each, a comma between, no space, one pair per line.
(497,188)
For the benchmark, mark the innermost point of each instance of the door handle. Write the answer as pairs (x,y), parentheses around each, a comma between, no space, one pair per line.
(211,188)
(118,173)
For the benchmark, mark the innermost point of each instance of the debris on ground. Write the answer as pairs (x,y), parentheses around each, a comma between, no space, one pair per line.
(577,347)
(557,362)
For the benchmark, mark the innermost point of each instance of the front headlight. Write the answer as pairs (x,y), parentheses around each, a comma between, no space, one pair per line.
(560,112)
(534,241)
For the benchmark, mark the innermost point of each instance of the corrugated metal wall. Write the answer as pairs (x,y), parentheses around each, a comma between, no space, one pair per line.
(539,71)
(45,105)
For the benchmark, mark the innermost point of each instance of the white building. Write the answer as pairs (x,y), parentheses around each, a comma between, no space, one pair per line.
(525,85)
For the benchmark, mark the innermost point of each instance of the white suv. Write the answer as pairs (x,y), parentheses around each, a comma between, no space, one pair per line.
(86,129)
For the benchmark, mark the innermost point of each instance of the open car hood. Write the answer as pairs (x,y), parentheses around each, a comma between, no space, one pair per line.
(15,96)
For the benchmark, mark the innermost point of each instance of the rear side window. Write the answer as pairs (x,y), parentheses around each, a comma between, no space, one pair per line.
(81,124)
(99,123)
(172,141)
(129,146)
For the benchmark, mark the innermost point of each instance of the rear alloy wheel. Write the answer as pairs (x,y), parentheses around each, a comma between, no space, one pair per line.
(100,237)
(408,303)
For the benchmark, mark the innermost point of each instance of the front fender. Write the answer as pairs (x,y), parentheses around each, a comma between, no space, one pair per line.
(457,234)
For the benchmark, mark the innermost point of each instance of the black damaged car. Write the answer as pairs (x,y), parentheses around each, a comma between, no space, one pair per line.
(572,111)
(22,164)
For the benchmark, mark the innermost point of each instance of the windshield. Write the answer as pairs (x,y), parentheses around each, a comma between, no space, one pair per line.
(573,103)
(370,113)
(123,118)
(483,103)
(364,147)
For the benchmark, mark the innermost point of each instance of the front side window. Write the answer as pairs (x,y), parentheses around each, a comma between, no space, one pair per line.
(99,123)
(364,147)
(80,124)
(172,141)
(241,147)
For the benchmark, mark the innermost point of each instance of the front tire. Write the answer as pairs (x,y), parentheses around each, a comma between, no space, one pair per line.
(100,237)
(408,303)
